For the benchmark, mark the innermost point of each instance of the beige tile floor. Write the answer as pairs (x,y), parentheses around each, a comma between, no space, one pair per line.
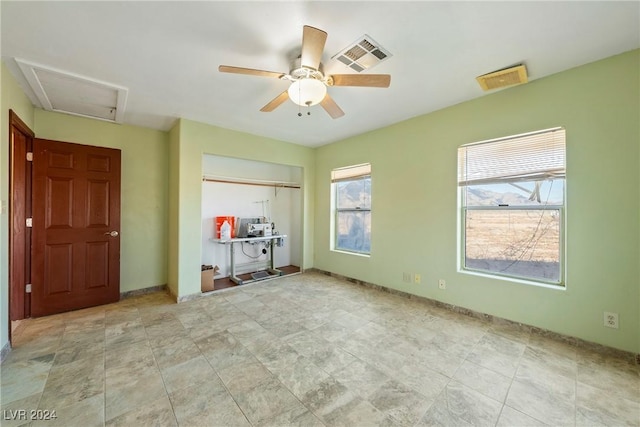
(307,350)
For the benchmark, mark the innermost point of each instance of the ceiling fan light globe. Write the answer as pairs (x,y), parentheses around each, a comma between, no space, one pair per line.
(307,92)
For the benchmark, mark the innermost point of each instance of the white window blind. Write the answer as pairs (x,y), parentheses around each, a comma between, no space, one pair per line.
(527,157)
(351,172)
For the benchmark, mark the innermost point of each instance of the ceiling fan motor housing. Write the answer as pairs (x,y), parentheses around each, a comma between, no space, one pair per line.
(308,85)
(296,66)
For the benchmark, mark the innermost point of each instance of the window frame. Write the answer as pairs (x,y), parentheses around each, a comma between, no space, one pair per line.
(341,175)
(560,208)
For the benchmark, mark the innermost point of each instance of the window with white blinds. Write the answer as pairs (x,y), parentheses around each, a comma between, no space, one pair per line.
(512,206)
(528,157)
(351,205)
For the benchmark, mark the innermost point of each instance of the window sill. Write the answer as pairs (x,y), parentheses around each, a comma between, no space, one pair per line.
(359,254)
(557,287)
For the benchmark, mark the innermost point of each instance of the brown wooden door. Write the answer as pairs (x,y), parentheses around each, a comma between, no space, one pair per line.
(76,226)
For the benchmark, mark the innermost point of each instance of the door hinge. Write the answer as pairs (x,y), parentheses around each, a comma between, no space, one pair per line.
(27,288)
(29,156)
(29,222)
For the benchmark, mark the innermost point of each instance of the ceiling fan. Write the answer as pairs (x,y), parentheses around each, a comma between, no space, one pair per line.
(308,82)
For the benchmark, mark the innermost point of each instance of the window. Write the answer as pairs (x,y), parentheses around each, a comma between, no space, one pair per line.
(512,200)
(351,189)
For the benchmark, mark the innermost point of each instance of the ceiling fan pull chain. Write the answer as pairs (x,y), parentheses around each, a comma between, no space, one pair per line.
(299,106)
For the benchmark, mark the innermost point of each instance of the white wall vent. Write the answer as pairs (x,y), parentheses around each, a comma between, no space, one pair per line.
(70,93)
(362,54)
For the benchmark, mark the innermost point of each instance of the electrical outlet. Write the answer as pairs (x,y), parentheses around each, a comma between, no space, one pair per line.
(406,277)
(442,284)
(416,278)
(611,320)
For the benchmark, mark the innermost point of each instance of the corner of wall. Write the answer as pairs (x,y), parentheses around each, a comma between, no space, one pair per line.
(173,207)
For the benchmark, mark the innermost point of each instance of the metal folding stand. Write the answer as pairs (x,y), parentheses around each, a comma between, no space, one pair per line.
(276,240)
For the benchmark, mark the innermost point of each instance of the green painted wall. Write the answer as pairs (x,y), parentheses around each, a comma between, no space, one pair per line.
(196,139)
(415,215)
(11,98)
(144,190)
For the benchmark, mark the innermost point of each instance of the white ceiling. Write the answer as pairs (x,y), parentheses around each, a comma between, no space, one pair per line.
(167,54)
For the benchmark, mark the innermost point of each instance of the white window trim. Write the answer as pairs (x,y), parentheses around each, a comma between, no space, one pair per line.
(512,279)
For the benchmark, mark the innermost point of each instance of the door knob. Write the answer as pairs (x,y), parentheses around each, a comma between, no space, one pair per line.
(111,233)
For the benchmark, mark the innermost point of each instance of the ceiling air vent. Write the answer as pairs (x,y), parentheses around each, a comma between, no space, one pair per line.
(502,78)
(70,93)
(362,54)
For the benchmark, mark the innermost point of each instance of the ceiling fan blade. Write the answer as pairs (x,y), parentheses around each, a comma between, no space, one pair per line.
(367,80)
(313,41)
(331,107)
(275,102)
(249,71)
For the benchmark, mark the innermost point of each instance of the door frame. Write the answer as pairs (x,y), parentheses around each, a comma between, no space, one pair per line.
(19,210)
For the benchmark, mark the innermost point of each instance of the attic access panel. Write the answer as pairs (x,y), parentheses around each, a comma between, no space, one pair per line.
(70,93)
